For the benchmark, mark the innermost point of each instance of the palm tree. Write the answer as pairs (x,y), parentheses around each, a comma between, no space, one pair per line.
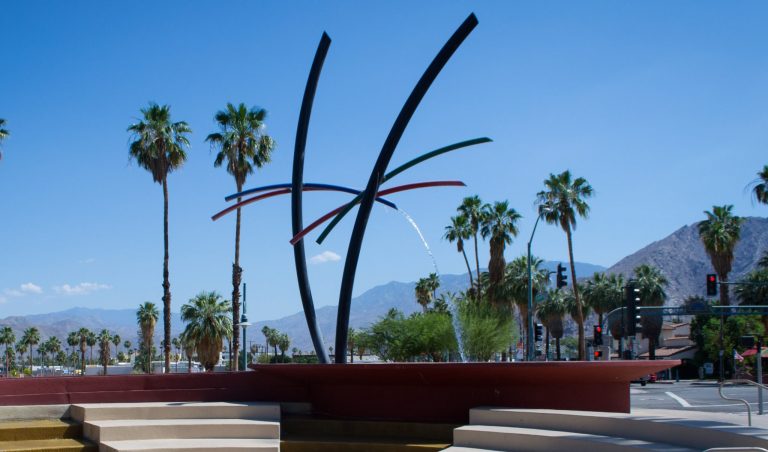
(146,316)
(458,231)
(189,349)
(3,134)
(127,346)
(7,338)
(21,348)
(283,342)
(91,340)
(604,293)
(433,282)
(499,224)
(551,313)
(719,233)
(53,346)
(515,287)
(242,144)
(31,337)
(423,293)
(105,339)
(560,204)
(651,283)
(116,340)
(759,186)
(73,339)
(472,209)
(84,334)
(158,147)
(208,324)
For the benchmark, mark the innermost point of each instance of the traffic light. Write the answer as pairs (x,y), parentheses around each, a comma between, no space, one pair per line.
(632,298)
(598,355)
(711,285)
(562,278)
(597,335)
(539,330)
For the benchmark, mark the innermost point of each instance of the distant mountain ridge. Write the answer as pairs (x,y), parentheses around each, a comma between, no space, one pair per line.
(366,309)
(683,260)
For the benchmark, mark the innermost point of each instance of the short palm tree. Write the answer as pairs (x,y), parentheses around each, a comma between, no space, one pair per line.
(242,145)
(551,313)
(159,147)
(515,287)
(499,225)
(31,337)
(604,293)
(720,232)
(7,338)
(3,134)
(423,293)
(760,186)
(105,339)
(458,231)
(209,323)
(84,334)
(472,209)
(651,283)
(73,340)
(146,316)
(189,349)
(560,203)
(22,348)
(116,340)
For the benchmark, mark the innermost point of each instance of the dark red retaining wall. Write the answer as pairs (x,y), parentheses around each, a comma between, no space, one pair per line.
(433,392)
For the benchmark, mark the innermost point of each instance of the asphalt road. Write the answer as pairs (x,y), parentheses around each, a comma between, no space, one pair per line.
(695,396)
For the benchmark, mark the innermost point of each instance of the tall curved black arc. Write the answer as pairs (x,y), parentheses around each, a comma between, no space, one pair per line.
(299,255)
(356,240)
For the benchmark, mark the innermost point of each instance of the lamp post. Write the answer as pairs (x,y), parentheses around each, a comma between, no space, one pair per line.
(244,323)
(531,346)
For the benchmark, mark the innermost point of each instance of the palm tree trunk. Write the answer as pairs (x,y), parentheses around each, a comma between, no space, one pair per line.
(166,284)
(557,347)
(546,347)
(237,273)
(580,317)
(469,270)
(477,267)
(724,298)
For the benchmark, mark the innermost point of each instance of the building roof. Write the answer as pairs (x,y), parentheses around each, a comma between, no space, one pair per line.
(668,352)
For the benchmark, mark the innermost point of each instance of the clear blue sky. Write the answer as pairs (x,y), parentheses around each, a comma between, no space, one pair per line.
(662,106)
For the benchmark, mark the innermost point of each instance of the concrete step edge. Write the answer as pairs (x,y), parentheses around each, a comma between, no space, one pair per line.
(175,410)
(496,437)
(695,433)
(61,444)
(196,444)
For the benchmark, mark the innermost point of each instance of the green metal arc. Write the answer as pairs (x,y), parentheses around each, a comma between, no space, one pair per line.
(395,172)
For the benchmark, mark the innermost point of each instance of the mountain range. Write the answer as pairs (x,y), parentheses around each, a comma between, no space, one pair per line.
(680,256)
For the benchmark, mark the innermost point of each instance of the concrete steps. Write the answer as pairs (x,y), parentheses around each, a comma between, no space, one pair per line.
(511,430)
(177,426)
(317,434)
(43,435)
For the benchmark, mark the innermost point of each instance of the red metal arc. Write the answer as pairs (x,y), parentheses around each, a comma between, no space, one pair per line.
(399,188)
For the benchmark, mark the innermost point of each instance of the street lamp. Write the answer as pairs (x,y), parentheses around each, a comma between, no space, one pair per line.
(531,349)
(244,323)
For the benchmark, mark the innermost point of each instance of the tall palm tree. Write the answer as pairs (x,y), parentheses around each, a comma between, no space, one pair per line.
(158,146)
(472,209)
(209,323)
(105,339)
(242,145)
(84,334)
(3,134)
(499,224)
(127,346)
(551,313)
(53,346)
(720,232)
(116,340)
(423,293)
(31,337)
(560,203)
(7,338)
(92,340)
(458,231)
(760,186)
(651,283)
(146,316)
(433,281)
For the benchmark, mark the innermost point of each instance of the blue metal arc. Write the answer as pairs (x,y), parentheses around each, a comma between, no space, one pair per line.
(310,185)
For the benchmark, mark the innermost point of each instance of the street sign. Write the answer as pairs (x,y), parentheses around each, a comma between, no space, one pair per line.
(709,368)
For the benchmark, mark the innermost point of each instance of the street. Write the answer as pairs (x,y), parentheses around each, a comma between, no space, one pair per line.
(694,396)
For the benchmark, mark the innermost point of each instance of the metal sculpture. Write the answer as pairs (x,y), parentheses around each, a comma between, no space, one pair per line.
(364,212)
(364,198)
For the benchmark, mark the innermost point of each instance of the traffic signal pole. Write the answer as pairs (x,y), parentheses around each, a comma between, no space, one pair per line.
(530,344)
